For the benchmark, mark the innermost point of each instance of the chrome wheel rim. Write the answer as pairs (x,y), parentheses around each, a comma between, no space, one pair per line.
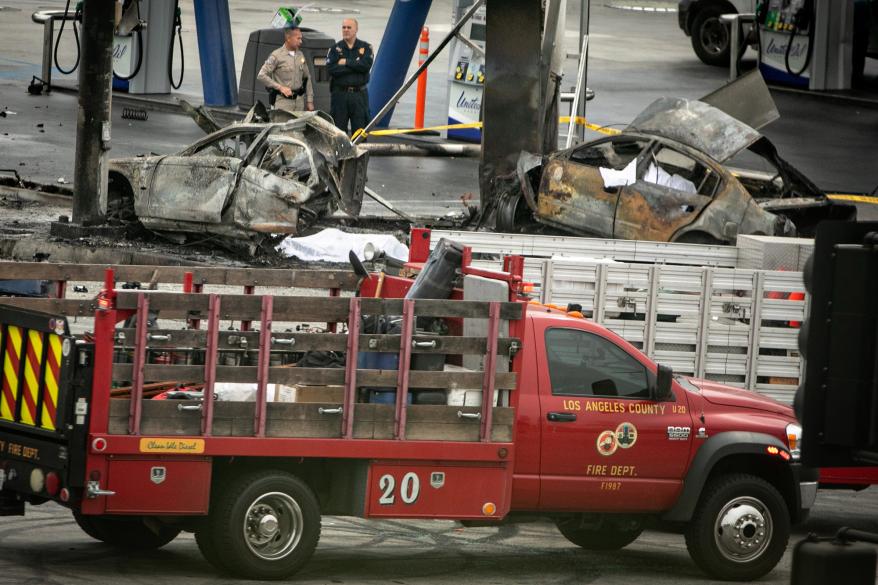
(743,529)
(714,36)
(273,526)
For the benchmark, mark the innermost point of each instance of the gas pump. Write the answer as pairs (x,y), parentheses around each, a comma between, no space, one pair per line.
(786,41)
(143,45)
(466,73)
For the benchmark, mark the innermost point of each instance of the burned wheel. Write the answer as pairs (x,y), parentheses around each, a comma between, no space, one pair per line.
(513,214)
(740,528)
(606,538)
(132,533)
(261,526)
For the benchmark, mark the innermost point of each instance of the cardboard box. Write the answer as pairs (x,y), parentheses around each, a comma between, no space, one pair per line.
(302,393)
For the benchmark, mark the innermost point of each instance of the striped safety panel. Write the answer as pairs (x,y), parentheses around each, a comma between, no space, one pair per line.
(32,351)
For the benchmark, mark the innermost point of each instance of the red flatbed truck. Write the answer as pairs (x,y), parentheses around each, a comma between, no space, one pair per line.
(587,430)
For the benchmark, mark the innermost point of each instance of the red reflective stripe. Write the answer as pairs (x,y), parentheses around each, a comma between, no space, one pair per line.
(31,405)
(8,397)
(49,406)
(12,354)
(53,362)
(30,400)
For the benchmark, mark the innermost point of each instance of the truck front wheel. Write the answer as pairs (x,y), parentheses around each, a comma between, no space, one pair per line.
(604,538)
(740,528)
(261,526)
(123,532)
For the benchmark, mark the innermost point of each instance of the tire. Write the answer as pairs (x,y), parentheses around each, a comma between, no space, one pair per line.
(122,532)
(710,37)
(261,526)
(206,545)
(607,538)
(760,523)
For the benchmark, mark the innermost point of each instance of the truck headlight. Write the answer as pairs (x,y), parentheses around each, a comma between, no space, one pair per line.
(794,440)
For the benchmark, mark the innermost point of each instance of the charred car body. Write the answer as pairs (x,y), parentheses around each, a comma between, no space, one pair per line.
(243,183)
(663,179)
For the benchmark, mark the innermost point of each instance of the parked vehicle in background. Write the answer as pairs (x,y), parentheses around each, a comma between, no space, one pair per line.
(700,19)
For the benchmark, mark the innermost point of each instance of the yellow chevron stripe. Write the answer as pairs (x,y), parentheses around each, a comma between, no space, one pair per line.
(5,409)
(51,382)
(31,382)
(10,374)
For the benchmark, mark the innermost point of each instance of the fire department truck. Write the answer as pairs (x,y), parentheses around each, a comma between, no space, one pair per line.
(456,398)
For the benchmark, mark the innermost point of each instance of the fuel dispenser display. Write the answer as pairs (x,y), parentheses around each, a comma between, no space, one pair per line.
(786,41)
(466,73)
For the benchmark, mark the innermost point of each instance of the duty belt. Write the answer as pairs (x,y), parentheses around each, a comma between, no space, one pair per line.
(353,88)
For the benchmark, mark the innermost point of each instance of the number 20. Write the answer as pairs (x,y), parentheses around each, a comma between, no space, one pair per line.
(409,489)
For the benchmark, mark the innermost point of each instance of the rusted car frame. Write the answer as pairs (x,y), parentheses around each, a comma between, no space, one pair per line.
(243,183)
(677,187)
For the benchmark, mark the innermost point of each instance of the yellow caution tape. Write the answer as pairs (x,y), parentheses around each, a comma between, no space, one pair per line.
(855,198)
(580,121)
(393,132)
(478,125)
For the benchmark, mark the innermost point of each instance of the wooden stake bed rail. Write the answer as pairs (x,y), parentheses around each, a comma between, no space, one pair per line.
(200,275)
(345,418)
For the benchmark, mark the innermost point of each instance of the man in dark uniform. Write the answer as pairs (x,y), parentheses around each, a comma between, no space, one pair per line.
(348,63)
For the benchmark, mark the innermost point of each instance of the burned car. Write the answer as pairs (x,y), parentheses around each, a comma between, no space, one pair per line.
(663,179)
(243,183)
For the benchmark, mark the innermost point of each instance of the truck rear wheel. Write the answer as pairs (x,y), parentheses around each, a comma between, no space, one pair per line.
(122,532)
(261,526)
(605,538)
(740,528)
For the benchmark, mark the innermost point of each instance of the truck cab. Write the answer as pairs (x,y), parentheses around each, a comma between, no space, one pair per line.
(609,442)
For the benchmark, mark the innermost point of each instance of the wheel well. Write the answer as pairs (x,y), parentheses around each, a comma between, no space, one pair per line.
(120,198)
(775,472)
(697,237)
(338,484)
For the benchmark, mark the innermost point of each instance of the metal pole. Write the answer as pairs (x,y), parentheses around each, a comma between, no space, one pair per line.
(93,119)
(578,95)
(584,21)
(414,76)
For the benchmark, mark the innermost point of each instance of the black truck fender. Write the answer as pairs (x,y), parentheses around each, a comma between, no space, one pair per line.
(719,447)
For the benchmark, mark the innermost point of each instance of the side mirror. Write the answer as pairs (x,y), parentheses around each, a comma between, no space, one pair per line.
(662,390)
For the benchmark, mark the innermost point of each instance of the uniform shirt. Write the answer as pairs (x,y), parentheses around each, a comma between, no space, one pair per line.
(283,69)
(355,71)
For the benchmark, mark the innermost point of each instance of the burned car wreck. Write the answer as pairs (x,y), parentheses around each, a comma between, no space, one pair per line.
(243,183)
(663,179)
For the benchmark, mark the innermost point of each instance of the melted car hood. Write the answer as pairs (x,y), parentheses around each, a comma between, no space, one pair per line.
(723,395)
(697,125)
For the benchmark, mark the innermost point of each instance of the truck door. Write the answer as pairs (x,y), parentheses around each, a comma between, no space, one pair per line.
(605,445)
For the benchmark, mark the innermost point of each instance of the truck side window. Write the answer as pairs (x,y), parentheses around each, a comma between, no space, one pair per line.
(584,364)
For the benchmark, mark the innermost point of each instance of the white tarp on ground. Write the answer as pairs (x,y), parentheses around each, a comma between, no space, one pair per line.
(332,245)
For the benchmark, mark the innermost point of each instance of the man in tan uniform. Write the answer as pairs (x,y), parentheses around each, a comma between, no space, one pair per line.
(286,71)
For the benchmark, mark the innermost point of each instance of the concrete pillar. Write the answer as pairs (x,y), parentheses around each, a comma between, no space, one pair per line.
(93,119)
(512,91)
(833,44)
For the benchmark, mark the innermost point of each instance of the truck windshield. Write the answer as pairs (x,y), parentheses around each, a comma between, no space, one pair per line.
(584,364)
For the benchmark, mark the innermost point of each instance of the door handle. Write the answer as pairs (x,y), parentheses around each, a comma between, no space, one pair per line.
(561,416)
